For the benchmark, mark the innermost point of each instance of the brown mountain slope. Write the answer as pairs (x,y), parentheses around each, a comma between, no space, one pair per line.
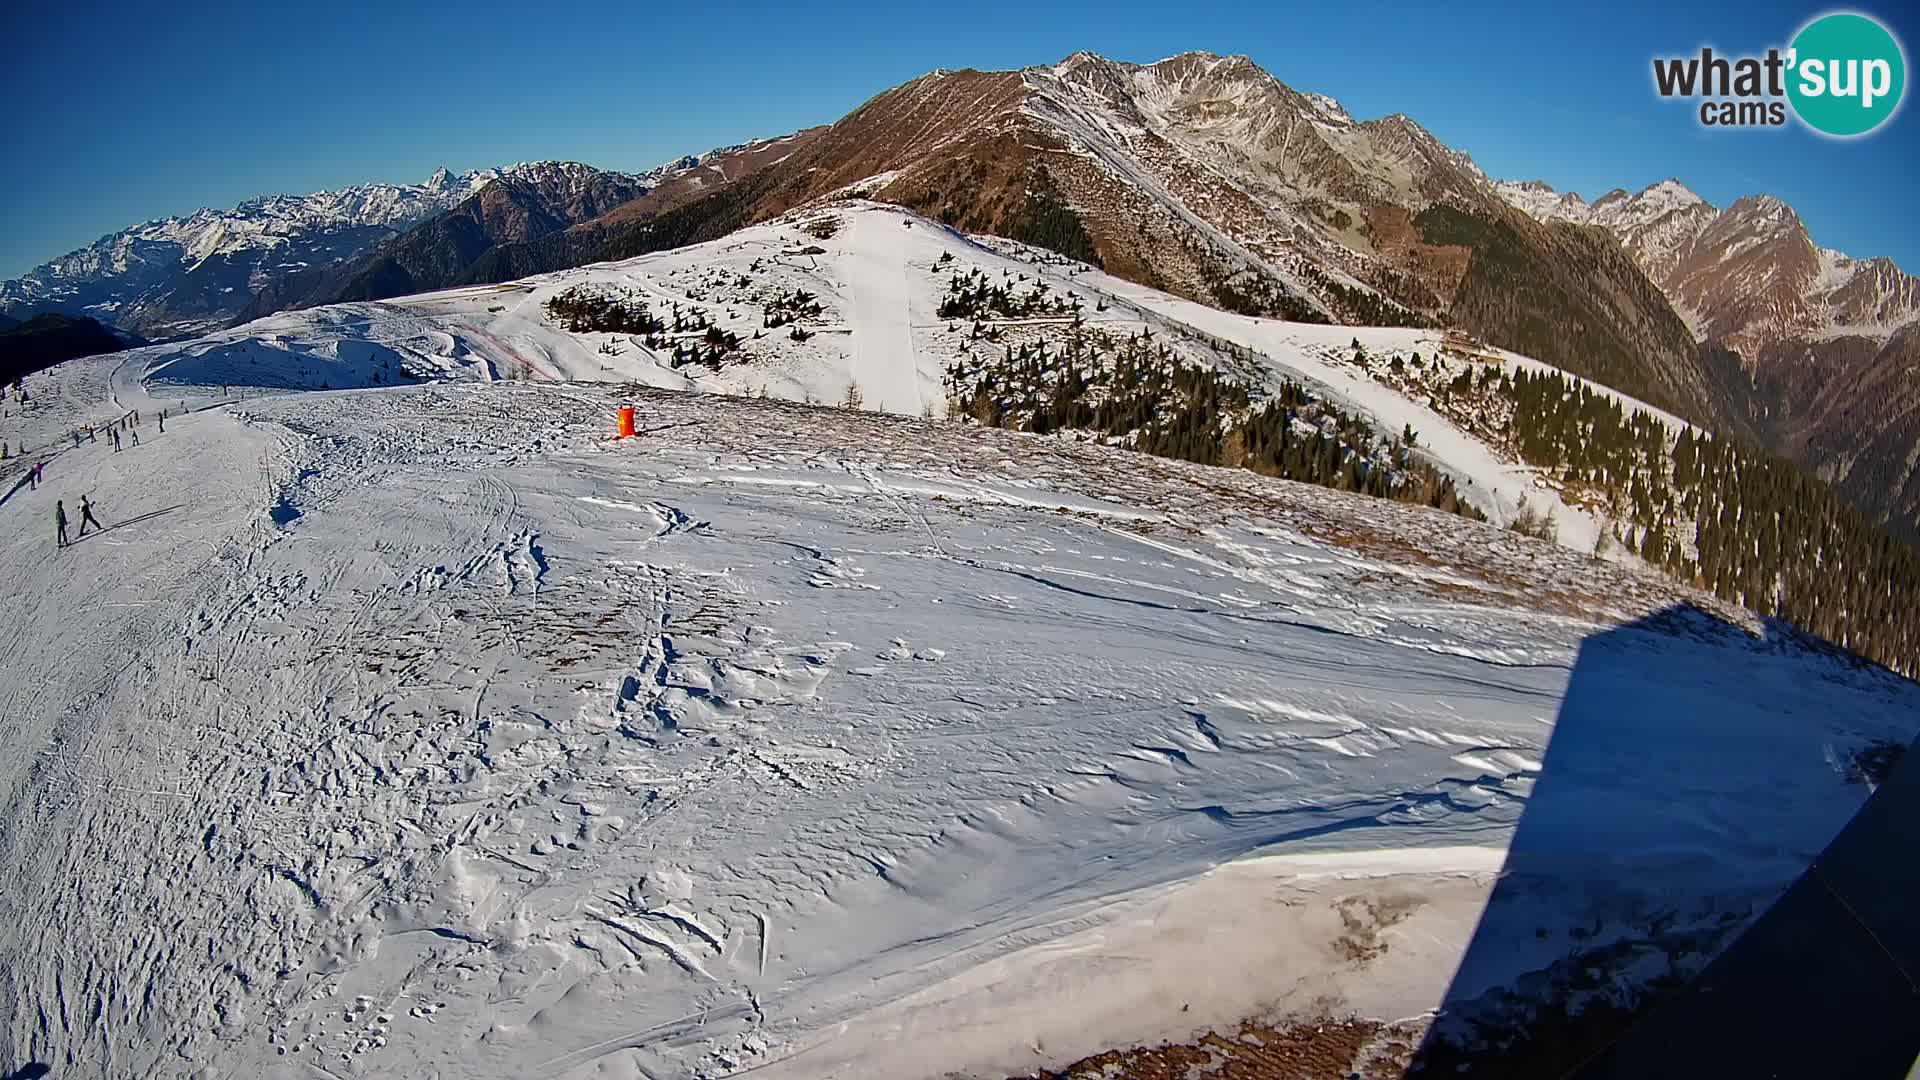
(700,181)
(1826,366)
(1207,177)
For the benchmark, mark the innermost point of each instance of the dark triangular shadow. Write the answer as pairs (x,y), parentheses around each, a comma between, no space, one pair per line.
(1651,839)
(1826,983)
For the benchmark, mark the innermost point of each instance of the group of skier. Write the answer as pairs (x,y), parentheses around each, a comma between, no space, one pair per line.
(120,432)
(86,518)
(123,432)
(125,428)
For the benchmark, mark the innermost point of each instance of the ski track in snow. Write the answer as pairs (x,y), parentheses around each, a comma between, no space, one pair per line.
(883,357)
(429,731)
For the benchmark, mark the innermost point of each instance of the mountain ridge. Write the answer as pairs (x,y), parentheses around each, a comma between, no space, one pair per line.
(524,202)
(166,275)
(179,275)
(1207,176)
(1825,345)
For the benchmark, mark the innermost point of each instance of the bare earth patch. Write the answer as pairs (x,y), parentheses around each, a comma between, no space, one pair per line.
(1322,1050)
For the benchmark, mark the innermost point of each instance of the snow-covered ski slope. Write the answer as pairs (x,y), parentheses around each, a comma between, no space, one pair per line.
(429,731)
(880,279)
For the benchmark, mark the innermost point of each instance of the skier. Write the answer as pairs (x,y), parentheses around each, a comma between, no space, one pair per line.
(33,478)
(163,421)
(60,521)
(115,432)
(76,438)
(86,517)
(136,436)
(92,435)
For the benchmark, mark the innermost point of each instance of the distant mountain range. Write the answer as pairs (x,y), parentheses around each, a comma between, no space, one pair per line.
(179,276)
(529,218)
(1201,175)
(182,276)
(521,203)
(1827,346)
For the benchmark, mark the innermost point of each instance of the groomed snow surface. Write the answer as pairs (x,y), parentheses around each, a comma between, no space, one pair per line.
(429,731)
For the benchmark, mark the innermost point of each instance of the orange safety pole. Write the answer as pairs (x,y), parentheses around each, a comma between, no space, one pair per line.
(626,421)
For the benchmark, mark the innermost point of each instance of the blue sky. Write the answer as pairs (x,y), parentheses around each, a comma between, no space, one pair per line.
(116,113)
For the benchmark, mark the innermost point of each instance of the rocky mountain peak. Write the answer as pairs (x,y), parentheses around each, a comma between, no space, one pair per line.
(1673,191)
(1763,217)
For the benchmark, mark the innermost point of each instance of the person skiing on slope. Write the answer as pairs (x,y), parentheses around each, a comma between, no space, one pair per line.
(115,432)
(163,421)
(86,517)
(60,522)
(33,478)
(136,436)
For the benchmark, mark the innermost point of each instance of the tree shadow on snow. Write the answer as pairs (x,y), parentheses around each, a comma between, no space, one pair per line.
(1692,774)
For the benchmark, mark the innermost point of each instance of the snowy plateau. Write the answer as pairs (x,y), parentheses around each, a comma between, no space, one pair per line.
(404,722)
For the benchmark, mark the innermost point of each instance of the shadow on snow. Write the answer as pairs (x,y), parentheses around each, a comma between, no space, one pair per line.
(1679,794)
(149,516)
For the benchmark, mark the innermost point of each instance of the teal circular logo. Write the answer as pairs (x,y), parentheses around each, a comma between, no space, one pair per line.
(1848,74)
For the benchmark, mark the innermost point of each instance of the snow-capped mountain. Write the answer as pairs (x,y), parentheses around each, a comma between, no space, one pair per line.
(1656,226)
(182,275)
(1749,275)
(1206,176)
(529,219)
(1825,343)
(524,203)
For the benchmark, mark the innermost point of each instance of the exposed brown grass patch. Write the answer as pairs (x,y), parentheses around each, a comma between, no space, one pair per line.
(1322,1050)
